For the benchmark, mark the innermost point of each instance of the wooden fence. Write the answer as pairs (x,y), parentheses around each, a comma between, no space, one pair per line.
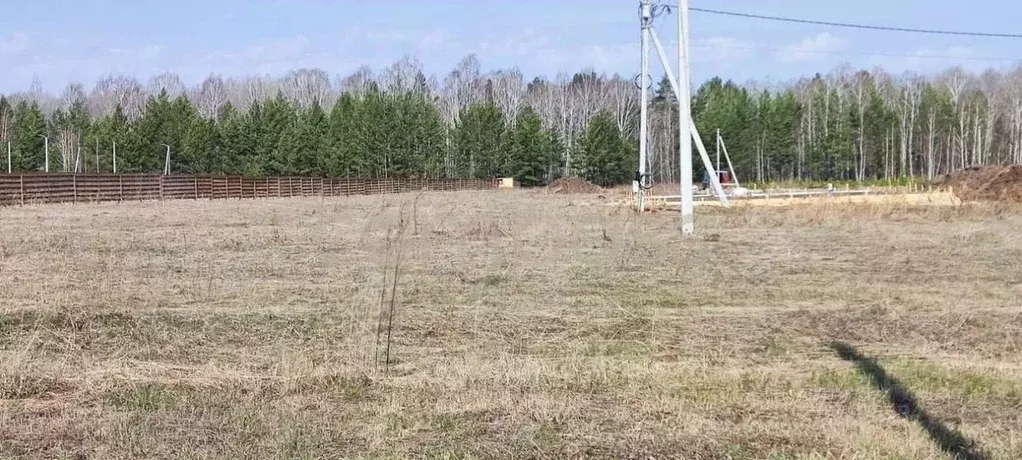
(74,188)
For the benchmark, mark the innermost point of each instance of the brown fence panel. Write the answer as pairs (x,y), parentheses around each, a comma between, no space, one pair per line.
(52,188)
(10,189)
(178,187)
(98,187)
(65,187)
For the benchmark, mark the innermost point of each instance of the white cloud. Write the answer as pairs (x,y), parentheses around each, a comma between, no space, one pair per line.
(720,49)
(432,40)
(816,47)
(960,51)
(930,60)
(16,43)
(278,49)
(151,51)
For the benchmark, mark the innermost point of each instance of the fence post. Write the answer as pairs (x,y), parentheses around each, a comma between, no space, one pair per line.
(195,181)
(21,178)
(161,187)
(120,188)
(74,188)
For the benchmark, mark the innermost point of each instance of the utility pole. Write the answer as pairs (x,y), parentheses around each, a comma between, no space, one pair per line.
(115,157)
(46,153)
(685,122)
(718,150)
(166,163)
(688,134)
(646,19)
(8,157)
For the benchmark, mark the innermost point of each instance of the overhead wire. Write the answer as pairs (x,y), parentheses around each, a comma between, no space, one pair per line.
(851,53)
(857,26)
(664,7)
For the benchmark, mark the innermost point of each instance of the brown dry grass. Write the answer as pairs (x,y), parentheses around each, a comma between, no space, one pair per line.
(526,326)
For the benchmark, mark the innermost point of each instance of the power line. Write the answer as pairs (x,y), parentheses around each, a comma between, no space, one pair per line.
(856,26)
(851,53)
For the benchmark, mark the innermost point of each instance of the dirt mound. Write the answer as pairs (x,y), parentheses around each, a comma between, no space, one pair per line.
(573,185)
(986,183)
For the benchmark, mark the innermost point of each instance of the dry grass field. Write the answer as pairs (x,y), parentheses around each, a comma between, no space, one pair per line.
(519,324)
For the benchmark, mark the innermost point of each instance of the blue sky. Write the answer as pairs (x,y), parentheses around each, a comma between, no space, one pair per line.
(62,41)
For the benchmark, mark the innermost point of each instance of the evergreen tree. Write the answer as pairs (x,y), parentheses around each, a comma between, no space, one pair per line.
(602,154)
(530,150)
(479,141)
(344,155)
(278,120)
(165,122)
(200,144)
(27,138)
(304,142)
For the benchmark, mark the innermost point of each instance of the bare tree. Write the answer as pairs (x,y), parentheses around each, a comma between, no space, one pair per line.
(509,93)
(359,82)
(908,108)
(112,91)
(623,98)
(992,84)
(69,121)
(307,87)
(1015,115)
(542,96)
(169,82)
(460,89)
(6,122)
(211,97)
(401,76)
(955,80)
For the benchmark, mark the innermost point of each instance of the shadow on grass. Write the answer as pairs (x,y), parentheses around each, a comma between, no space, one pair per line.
(905,404)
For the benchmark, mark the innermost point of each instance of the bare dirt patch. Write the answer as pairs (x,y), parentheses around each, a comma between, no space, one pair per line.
(987,183)
(573,185)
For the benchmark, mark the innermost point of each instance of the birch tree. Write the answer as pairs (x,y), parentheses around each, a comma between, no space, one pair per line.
(211,97)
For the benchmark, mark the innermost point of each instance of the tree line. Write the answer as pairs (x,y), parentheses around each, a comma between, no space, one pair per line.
(848,124)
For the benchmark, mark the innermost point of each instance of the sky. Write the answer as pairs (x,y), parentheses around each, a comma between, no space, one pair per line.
(58,42)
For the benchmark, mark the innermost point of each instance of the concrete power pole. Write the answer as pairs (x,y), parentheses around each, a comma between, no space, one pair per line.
(46,154)
(166,163)
(685,121)
(688,134)
(640,180)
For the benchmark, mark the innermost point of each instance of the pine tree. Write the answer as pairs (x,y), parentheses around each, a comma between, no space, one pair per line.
(478,141)
(165,122)
(529,150)
(239,136)
(602,155)
(200,144)
(345,155)
(278,121)
(27,138)
(304,142)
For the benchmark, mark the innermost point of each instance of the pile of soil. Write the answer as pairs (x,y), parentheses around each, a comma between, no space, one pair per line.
(986,183)
(573,185)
